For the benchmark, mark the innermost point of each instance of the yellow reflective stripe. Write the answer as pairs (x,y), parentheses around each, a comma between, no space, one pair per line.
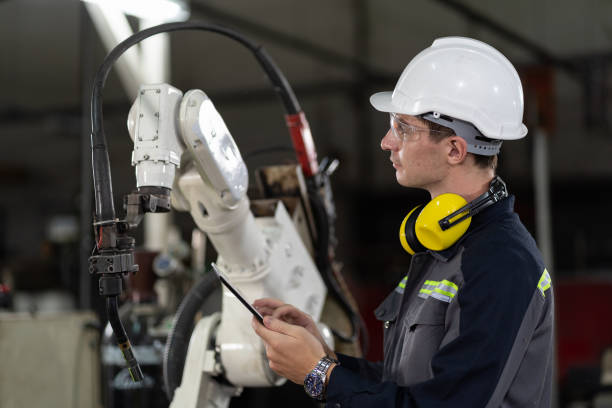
(402,285)
(451,284)
(545,282)
(446,287)
(443,292)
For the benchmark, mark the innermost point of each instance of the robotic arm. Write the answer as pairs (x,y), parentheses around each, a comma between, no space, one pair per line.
(264,257)
(183,150)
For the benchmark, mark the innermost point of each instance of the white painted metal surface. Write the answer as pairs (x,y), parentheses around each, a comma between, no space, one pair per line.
(232,232)
(197,389)
(263,257)
(288,273)
(144,63)
(152,126)
(214,151)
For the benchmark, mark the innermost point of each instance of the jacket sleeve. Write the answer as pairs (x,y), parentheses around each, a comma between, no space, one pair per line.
(367,369)
(481,328)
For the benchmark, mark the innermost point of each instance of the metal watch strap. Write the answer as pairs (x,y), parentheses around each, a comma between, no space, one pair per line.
(321,369)
(323,365)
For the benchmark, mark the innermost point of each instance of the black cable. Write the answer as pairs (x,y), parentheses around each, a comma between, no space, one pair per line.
(177,341)
(323,263)
(112,311)
(105,209)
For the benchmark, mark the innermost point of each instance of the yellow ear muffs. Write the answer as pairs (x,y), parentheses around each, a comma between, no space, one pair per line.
(421,228)
(406,232)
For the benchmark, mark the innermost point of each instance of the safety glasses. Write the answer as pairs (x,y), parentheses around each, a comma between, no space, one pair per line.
(406,132)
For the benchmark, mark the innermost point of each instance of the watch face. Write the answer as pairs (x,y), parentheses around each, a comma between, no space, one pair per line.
(313,385)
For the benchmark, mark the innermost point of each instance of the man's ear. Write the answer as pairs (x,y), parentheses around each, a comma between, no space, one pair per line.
(456,150)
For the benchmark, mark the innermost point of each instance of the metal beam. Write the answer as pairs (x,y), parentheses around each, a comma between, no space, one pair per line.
(231,97)
(539,52)
(114,27)
(16,115)
(293,43)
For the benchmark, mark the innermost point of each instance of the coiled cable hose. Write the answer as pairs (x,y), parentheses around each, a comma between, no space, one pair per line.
(332,283)
(177,342)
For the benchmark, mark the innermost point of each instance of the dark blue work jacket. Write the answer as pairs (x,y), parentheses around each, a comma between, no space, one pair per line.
(471,326)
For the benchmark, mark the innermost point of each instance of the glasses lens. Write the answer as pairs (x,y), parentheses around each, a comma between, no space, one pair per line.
(402,130)
(395,128)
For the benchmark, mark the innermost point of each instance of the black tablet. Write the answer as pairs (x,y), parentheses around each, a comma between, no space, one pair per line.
(237,293)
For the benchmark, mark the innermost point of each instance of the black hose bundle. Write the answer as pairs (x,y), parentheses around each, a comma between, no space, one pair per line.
(323,262)
(177,342)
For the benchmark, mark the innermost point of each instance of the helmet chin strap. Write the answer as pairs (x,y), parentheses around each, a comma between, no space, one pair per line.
(497,190)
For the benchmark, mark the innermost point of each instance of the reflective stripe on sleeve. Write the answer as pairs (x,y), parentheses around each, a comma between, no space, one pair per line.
(402,285)
(441,297)
(544,283)
(443,290)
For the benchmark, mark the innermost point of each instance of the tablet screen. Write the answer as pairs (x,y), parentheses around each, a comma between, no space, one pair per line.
(236,293)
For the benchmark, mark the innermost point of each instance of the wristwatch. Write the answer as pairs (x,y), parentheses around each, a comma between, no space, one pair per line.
(314,383)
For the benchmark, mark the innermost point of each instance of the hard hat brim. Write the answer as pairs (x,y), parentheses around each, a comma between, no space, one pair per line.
(381,101)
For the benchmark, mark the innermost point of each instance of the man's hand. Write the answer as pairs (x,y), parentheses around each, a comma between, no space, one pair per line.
(291,349)
(292,315)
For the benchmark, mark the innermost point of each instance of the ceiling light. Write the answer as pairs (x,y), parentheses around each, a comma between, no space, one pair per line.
(163,10)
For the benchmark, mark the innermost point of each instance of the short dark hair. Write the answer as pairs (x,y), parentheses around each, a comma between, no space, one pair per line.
(442,132)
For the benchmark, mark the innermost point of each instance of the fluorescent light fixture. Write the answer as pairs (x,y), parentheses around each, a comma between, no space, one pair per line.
(163,10)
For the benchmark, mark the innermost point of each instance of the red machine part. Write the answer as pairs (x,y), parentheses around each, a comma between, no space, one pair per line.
(303,143)
(582,316)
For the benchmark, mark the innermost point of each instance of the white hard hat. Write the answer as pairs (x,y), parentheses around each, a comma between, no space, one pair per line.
(461,78)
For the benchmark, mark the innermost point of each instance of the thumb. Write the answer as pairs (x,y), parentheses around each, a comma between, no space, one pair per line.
(278,325)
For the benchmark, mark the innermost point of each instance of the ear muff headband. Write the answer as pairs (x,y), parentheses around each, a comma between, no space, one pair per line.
(497,190)
(444,220)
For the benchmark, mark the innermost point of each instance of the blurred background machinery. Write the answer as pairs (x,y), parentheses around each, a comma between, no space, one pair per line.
(334,54)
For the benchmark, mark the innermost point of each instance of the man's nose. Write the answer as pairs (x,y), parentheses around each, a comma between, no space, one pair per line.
(389,141)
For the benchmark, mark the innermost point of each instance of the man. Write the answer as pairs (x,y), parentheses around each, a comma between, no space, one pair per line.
(471,324)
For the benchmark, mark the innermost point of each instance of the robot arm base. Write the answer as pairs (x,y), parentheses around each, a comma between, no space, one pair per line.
(198,388)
